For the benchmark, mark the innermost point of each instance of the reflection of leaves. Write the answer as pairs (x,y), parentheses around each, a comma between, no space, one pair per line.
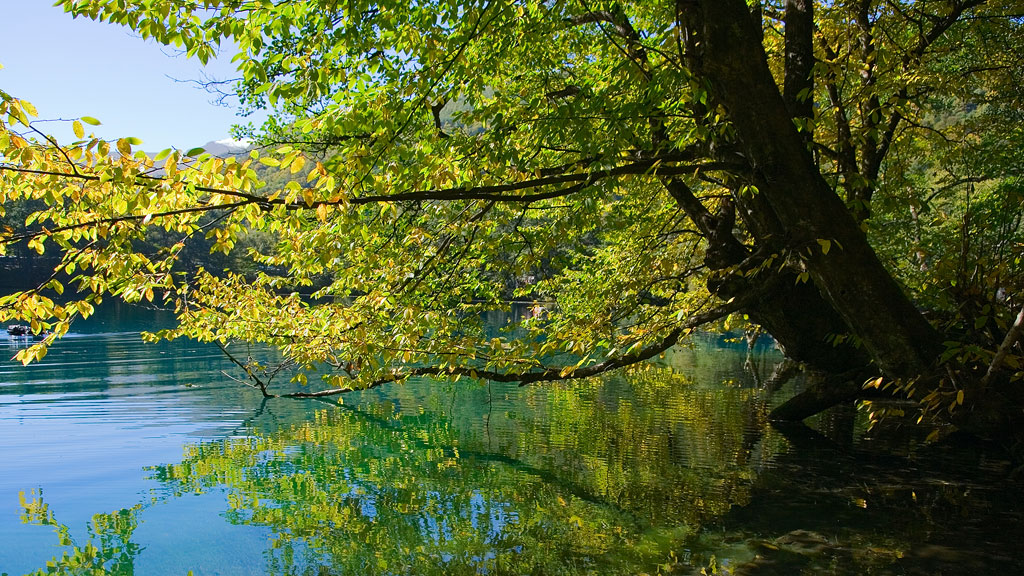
(364,497)
(584,478)
(35,511)
(108,552)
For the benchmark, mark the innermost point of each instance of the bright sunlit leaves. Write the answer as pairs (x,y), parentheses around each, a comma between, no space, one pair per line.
(426,163)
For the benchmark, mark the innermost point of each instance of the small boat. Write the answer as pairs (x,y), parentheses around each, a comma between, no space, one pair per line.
(17,330)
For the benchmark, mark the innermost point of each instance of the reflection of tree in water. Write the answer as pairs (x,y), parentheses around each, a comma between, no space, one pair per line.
(656,444)
(347,492)
(652,471)
(648,472)
(607,476)
(108,551)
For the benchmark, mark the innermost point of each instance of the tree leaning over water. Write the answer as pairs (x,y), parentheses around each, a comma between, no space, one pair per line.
(640,169)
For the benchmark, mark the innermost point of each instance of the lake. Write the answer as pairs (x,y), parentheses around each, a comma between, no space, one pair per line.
(148,459)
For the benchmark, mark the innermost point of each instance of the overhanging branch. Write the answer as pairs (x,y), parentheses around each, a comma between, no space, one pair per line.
(505,193)
(550,374)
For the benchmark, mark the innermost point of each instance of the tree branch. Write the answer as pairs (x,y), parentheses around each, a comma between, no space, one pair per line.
(1012,335)
(551,374)
(799,61)
(116,219)
(259,384)
(497,193)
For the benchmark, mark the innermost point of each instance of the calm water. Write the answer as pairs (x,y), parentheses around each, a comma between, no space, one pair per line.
(150,459)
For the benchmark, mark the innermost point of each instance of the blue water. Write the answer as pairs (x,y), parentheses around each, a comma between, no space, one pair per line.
(167,465)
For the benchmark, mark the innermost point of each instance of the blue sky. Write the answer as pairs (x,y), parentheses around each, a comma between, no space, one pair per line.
(70,68)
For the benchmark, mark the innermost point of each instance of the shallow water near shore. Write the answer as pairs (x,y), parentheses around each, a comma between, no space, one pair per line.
(149,458)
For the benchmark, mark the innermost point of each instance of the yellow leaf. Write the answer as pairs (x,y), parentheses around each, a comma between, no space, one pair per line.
(297,164)
(90,120)
(960,397)
(29,108)
(78,128)
(826,245)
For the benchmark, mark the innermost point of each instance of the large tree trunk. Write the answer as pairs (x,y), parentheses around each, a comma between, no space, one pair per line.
(794,313)
(850,277)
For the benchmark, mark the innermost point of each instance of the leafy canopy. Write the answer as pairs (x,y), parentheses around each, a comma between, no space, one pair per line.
(444,158)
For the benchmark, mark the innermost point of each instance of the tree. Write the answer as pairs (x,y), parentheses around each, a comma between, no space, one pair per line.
(643,169)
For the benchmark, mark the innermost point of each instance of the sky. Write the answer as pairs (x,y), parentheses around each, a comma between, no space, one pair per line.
(68,68)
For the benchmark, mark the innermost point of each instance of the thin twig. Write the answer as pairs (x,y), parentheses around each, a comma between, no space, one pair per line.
(1012,335)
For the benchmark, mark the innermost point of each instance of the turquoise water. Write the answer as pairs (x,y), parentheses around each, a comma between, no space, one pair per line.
(163,464)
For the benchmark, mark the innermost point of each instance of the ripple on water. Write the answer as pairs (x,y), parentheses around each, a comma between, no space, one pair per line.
(672,466)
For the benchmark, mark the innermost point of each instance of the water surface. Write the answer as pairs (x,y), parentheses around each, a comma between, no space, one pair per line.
(163,464)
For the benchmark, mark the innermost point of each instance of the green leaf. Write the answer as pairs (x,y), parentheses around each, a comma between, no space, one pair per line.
(90,120)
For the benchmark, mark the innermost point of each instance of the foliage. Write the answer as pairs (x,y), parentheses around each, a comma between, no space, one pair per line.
(585,156)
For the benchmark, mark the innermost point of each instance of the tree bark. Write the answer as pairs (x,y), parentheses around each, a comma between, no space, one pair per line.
(821,394)
(794,313)
(799,36)
(850,277)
